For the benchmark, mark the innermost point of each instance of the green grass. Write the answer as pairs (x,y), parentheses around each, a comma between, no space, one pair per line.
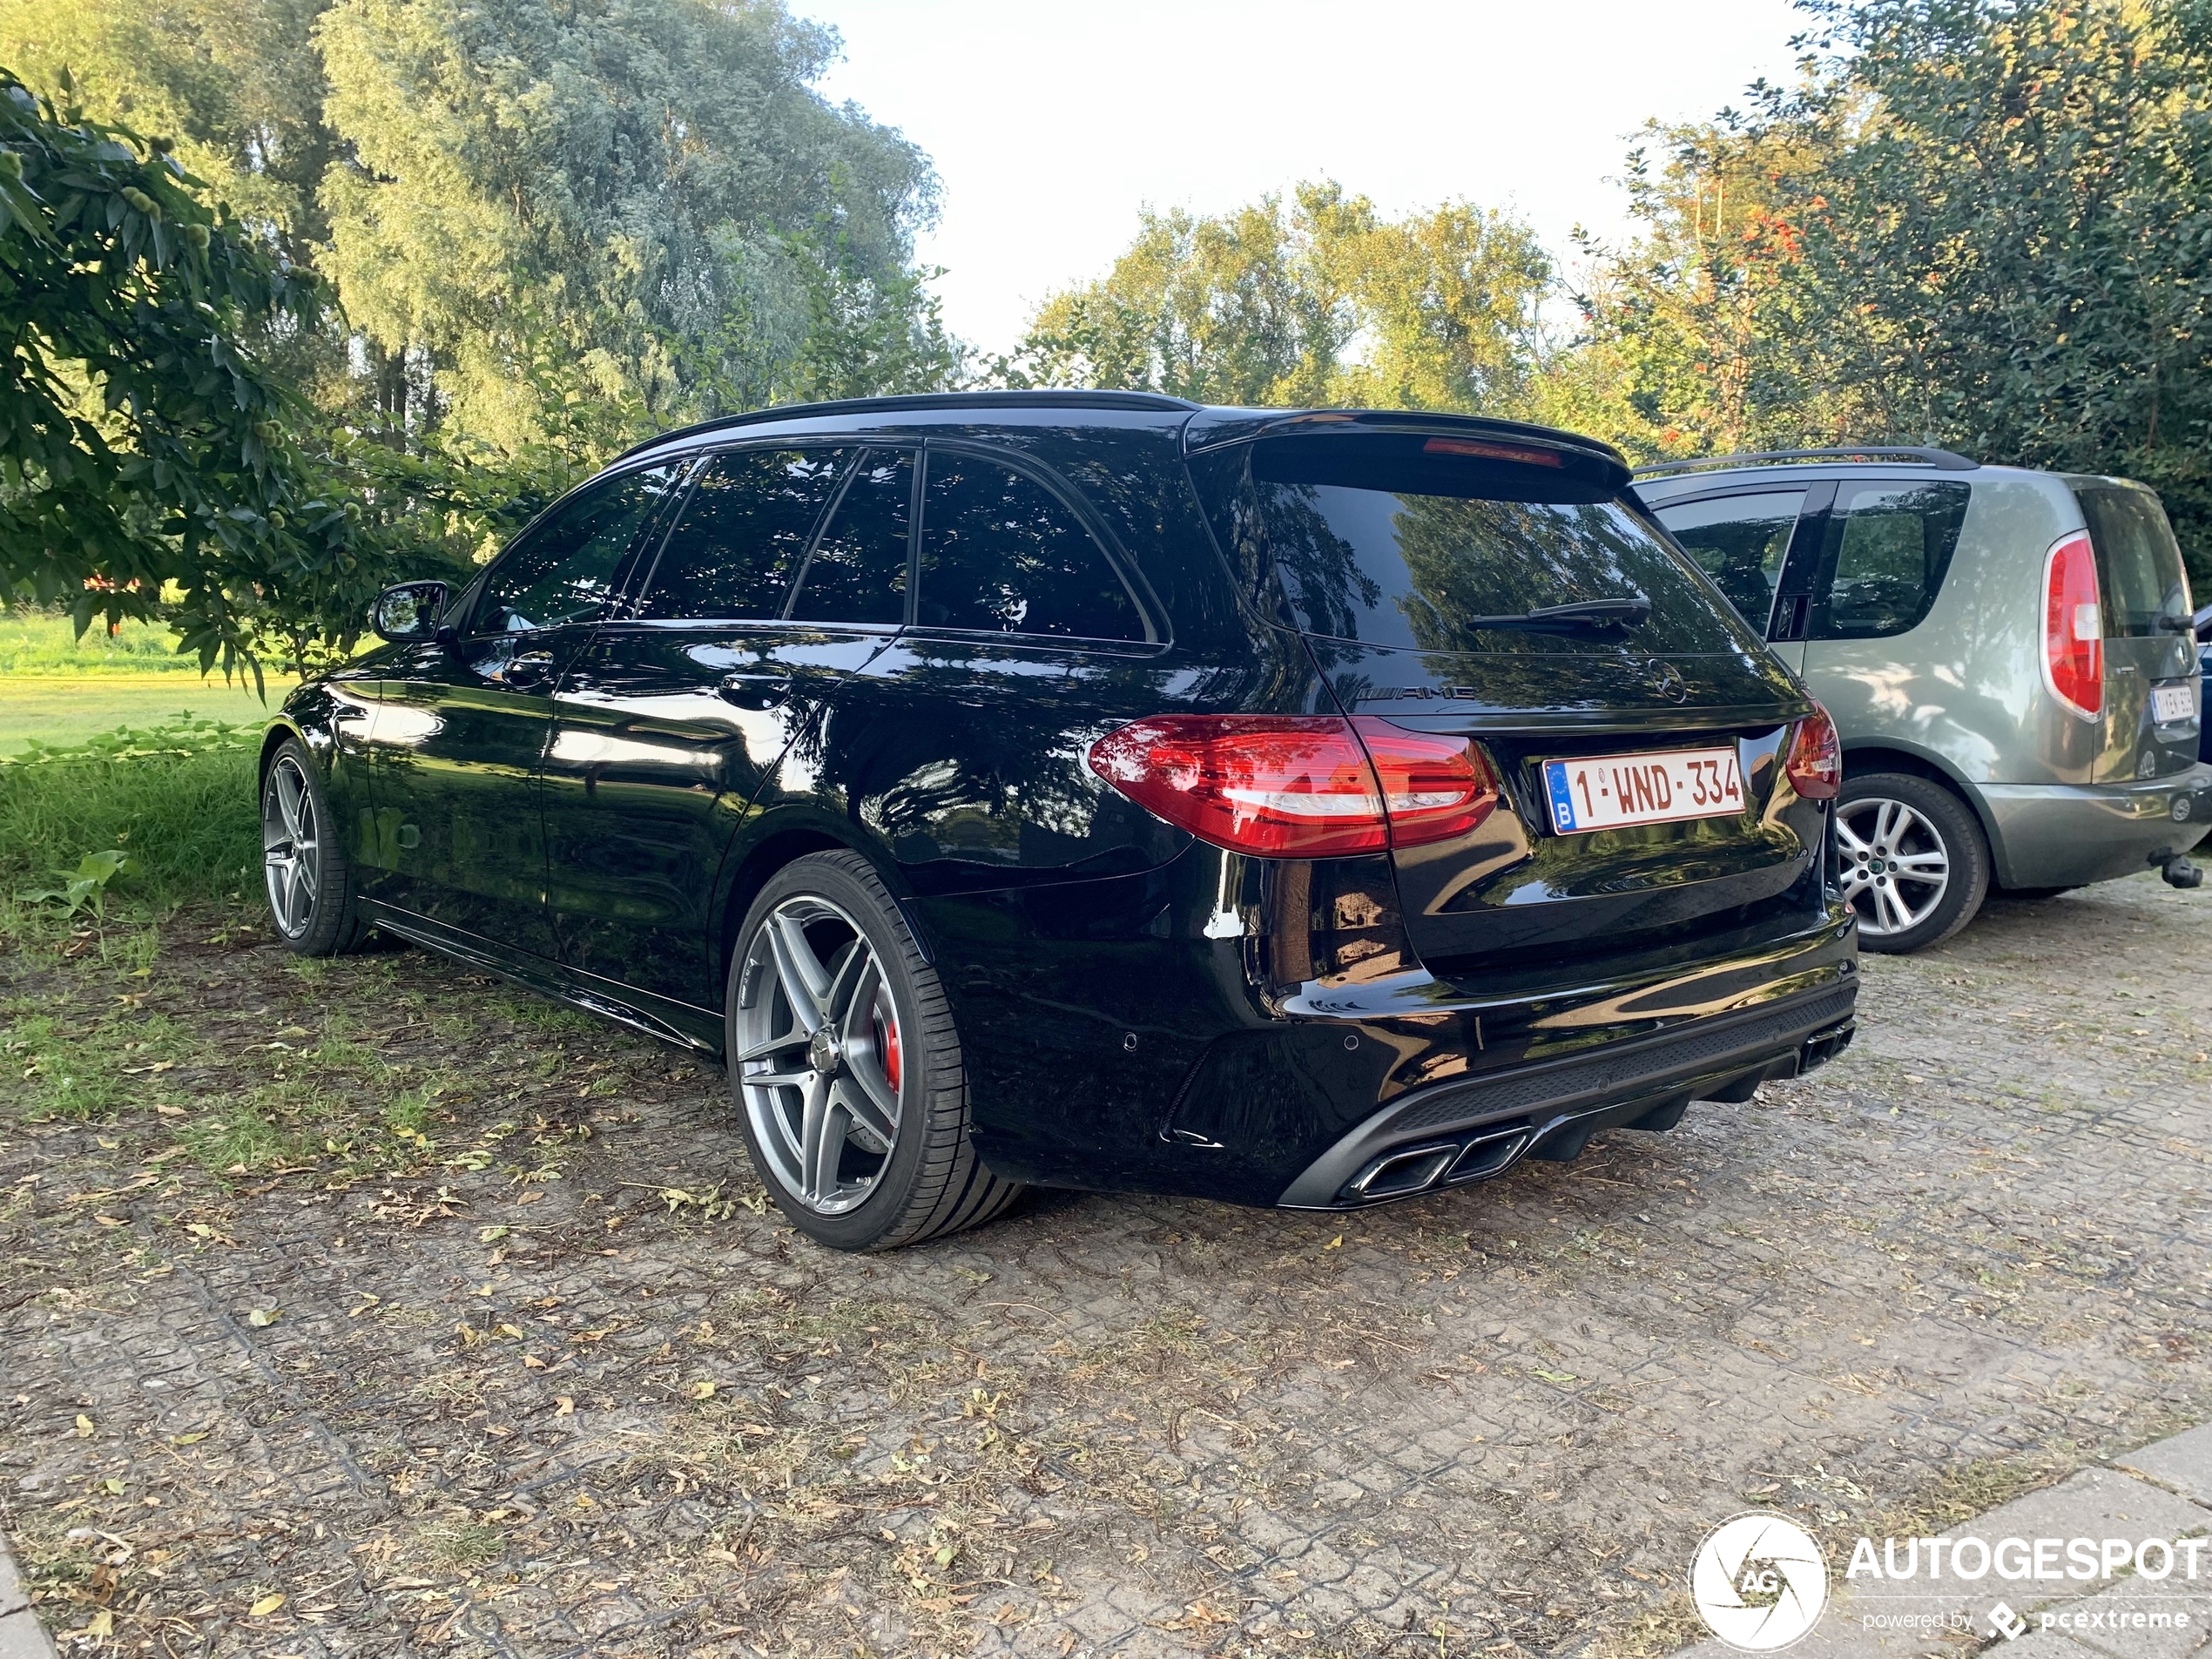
(43,642)
(189,820)
(62,711)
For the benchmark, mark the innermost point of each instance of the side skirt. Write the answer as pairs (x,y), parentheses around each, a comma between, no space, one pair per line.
(695,1031)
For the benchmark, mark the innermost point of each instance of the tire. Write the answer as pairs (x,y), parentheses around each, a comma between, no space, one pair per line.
(1914,863)
(846,1066)
(306,875)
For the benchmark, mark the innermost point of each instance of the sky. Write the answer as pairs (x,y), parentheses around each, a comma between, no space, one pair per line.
(1052,122)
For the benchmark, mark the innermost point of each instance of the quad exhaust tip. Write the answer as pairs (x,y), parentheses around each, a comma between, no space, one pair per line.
(1404,1170)
(1476,1155)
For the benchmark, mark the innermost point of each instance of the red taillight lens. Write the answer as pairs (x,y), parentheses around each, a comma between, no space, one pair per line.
(1816,764)
(1435,787)
(1298,785)
(2074,628)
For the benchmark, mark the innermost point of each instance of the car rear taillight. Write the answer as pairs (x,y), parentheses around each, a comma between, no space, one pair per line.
(2073,644)
(1435,787)
(1298,786)
(1816,764)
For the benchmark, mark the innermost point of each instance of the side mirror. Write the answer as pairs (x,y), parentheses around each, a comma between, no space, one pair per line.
(409,611)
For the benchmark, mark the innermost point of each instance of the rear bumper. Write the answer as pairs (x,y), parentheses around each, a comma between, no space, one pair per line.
(2066,835)
(1138,1034)
(1464,1132)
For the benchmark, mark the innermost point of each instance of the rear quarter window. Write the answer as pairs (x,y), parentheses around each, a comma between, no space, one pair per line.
(1883,560)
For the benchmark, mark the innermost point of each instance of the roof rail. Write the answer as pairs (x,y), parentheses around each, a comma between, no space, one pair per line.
(1054,399)
(1942,460)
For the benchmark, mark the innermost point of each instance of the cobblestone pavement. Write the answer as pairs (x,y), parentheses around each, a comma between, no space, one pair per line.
(548,1379)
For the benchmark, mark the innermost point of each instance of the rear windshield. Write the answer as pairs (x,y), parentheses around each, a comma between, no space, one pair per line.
(2139,566)
(1423,567)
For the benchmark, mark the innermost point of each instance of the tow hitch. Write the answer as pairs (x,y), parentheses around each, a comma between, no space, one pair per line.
(2176,868)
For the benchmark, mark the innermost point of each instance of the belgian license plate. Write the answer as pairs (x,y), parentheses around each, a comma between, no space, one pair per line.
(1605,792)
(2172,702)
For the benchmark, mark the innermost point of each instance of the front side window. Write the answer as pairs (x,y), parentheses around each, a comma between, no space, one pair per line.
(1740,541)
(563,570)
(1001,554)
(744,532)
(857,570)
(1883,557)
(2139,564)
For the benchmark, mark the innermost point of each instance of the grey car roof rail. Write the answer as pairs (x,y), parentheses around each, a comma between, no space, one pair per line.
(1942,460)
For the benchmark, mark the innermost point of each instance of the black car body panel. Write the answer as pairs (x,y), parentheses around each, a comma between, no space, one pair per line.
(589,805)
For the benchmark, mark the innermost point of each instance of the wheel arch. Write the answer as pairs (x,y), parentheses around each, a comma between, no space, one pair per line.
(1891,755)
(749,868)
(272,739)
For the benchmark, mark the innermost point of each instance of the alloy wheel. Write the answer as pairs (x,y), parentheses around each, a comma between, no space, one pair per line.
(291,847)
(1895,865)
(819,1058)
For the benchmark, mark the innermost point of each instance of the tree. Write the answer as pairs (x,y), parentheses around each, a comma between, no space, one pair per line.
(142,439)
(2022,198)
(639,203)
(1985,223)
(1325,302)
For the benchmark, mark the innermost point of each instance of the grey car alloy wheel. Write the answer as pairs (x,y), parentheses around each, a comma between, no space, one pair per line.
(292,847)
(819,1060)
(1896,867)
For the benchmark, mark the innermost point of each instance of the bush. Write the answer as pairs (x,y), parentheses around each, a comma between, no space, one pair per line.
(178,799)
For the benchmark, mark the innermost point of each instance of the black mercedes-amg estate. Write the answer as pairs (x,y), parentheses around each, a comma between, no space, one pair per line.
(1095,790)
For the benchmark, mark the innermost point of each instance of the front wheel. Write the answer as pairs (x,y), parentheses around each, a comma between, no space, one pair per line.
(1914,863)
(846,1067)
(304,868)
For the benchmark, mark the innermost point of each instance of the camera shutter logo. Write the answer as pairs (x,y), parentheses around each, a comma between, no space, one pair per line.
(1759,1582)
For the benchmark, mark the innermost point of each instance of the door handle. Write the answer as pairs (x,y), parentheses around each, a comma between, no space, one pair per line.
(531,668)
(755,691)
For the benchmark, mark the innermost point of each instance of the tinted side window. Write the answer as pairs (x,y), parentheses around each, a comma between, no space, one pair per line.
(858,572)
(1001,554)
(743,533)
(2139,566)
(563,572)
(1883,557)
(1739,541)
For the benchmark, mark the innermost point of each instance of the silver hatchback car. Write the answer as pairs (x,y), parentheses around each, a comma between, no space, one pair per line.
(2007,654)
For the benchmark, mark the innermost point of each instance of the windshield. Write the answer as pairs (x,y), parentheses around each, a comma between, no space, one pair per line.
(1427,571)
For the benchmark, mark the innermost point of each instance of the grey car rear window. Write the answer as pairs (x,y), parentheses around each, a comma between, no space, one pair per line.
(2139,566)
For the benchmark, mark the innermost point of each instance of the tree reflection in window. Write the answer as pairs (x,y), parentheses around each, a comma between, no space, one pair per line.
(1391,568)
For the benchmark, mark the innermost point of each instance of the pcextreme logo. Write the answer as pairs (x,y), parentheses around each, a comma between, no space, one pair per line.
(1759,1582)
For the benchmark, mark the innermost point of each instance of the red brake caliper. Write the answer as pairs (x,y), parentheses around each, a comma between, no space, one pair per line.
(889,1049)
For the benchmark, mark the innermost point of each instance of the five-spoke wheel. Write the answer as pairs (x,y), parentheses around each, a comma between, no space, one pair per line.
(291,846)
(303,864)
(818,1058)
(846,1066)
